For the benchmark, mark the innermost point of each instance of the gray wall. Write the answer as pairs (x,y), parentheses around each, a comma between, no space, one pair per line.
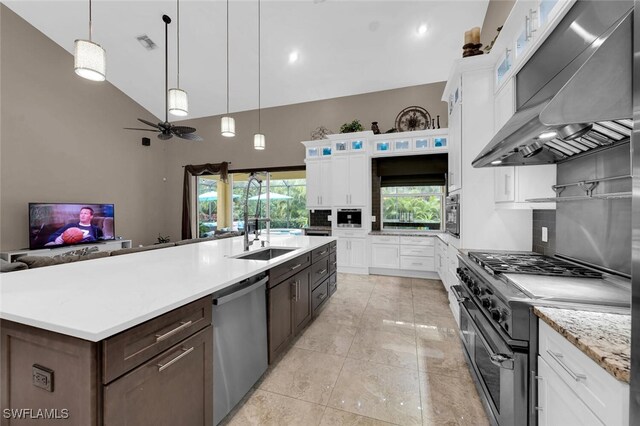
(62,139)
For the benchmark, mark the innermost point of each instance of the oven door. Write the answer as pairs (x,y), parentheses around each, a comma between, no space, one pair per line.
(452,219)
(500,372)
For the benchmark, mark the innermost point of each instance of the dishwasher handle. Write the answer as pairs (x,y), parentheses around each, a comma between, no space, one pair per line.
(229,297)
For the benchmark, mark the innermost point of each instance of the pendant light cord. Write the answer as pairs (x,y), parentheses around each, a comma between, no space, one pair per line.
(166,70)
(90,23)
(259,15)
(178,31)
(227,57)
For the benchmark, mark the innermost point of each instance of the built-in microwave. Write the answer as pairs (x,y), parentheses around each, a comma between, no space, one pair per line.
(452,215)
(349,218)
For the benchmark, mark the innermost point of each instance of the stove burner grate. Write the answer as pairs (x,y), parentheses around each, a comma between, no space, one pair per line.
(530,263)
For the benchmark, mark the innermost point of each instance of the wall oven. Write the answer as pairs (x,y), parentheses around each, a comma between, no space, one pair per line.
(499,369)
(349,218)
(452,215)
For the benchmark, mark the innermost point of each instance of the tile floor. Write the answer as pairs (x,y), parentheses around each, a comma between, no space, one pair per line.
(384,350)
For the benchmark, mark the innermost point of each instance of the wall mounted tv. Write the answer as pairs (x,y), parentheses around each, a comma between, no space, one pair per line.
(64,224)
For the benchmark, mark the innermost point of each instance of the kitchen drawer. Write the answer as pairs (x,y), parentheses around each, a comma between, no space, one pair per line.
(319,271)
(385,239)
(279,273)
(132,347)
(421,251)
(319,295)
(600,391)
(320,252)
(415,263)
(333,245)
(350,233)
(333,262)
(418,241)
(174,387)
(333,284)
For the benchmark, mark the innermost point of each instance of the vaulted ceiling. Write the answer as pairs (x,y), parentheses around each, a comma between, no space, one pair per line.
(344,47)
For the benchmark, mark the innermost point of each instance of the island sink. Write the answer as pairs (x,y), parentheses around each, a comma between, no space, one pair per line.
(268,254)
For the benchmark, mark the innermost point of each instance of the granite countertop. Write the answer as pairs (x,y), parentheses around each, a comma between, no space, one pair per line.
(604,337)
(98,298)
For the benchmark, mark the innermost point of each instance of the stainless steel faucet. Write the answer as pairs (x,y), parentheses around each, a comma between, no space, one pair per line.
(252,178)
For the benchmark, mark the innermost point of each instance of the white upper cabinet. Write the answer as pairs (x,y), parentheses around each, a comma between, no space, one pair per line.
(350,178)
(528,24)
(454,176)
(318,192)
(349,146)
(410,143)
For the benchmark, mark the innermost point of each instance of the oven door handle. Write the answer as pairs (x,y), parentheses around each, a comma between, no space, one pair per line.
(456,293)
(500,360)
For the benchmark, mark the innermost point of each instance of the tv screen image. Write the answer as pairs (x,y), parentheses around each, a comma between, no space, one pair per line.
(63,224)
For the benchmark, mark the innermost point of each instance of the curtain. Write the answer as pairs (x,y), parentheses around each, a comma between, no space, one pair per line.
(197,170)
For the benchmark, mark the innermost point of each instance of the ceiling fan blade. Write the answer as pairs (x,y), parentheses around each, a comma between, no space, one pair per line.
(164,136)
(182,129)
(157,126)
(144,130)
(189,136)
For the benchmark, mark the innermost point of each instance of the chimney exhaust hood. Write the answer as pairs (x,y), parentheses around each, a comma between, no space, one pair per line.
(574,94)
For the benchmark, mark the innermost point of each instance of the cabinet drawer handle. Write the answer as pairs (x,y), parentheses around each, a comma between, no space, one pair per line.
(184,353)
(182,326)
(558,358)
(322,253)
(296,266)
(321,296)
(322,272)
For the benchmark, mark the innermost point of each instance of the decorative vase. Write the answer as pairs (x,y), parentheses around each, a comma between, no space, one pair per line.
(374,128)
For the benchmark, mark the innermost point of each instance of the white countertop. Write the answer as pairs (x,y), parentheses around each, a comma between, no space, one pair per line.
(95,299)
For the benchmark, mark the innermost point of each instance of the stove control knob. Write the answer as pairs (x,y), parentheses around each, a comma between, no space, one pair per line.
(476,290)
(487,303)
(497,315)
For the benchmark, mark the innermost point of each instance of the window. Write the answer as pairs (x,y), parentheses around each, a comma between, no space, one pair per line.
(412,207)
(288,201)
(209,189)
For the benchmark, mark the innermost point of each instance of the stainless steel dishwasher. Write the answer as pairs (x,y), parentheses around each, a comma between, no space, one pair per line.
(240,342)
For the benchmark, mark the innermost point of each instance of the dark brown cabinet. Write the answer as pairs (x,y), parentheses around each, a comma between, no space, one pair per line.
(295,294)
(159,372)
(302,301)
(170,389)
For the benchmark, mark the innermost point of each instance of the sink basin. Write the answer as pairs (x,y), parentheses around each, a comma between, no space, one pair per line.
(266,254)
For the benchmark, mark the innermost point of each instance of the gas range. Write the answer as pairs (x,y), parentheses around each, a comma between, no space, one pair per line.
(498,329)
(505,285)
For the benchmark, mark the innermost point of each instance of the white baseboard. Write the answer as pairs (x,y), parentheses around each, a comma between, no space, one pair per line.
(405,273)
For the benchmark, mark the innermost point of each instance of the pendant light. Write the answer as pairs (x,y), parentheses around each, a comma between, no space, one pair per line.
(227,123)
(90,59)
(178,102)
(259,142)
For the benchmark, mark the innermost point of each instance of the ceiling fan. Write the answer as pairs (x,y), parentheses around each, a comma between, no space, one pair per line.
(167,130)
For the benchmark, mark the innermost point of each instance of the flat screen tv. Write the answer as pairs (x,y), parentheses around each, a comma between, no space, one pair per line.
(64,224)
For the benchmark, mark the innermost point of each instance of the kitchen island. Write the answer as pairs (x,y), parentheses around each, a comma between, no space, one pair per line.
(84,340)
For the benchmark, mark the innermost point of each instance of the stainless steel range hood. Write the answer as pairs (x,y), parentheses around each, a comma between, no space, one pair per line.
(574,94)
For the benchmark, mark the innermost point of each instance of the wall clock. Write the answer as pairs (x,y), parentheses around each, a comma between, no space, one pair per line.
(413,118)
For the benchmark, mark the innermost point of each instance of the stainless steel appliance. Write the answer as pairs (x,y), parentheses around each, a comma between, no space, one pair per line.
(498,330)
(240,342)
(452,214)
(349,218)
(317,231)
(574,95)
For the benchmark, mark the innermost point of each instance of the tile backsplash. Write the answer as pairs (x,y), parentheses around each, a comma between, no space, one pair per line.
(544,218)
(319,217)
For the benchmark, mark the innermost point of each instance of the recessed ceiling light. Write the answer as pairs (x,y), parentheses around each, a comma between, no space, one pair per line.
(422,29)
(495,162)
(293,57)
(548,135)
(146,42)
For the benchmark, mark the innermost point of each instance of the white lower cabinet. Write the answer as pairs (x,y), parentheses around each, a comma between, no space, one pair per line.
(415,255)
(385,256)
(557,404)
(352,252)
(573,389)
